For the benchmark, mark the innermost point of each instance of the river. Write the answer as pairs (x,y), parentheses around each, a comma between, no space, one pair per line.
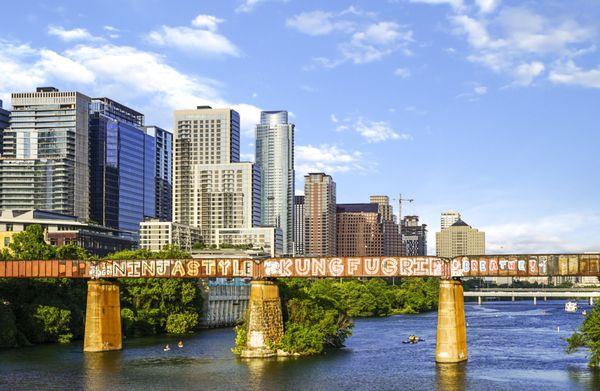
(512,346)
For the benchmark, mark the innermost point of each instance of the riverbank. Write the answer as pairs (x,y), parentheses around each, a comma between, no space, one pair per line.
(511,346)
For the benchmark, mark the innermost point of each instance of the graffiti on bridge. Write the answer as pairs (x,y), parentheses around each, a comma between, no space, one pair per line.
(468,266)
(526,265)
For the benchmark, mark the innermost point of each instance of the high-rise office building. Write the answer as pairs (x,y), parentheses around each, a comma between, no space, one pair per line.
(358,230)
(299,231)
(45,153)
(385,209)
(275,159)
(414,236)
(459,239)
(392,243)
(448,218)
(319,215)
(202,136)
(164,172)
(123,161)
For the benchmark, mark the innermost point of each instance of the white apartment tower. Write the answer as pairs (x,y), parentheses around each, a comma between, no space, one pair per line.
(275,160)
(211,188)
(448,218)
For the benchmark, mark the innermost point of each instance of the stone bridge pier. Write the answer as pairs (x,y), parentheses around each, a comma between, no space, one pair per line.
(451,341)
(102,317)
(265,320)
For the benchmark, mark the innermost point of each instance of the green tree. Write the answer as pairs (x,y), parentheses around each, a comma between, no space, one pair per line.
(182,323)
(53,324)
(588,335)
(30,245)
(148,303)
(8,327)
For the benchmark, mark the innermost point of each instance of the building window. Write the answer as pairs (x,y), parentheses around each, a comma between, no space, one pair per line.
(6,241)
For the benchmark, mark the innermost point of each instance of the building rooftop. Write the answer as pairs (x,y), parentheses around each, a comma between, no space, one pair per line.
(357,208)
(460,223)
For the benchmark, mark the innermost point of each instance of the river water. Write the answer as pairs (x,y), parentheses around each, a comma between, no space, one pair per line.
(511,345)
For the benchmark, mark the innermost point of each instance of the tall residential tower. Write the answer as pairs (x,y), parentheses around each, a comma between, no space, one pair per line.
(275,160)
(211,188)
(45,153)
(319,215)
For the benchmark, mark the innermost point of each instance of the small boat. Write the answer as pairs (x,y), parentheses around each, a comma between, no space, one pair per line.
(180,344)
(413,339)
(167,348)
(571,306)
(584,312)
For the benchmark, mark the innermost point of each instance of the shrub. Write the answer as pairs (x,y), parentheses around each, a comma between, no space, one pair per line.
(182,323)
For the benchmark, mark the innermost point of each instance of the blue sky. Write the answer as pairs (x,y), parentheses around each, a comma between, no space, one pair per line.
(488,107)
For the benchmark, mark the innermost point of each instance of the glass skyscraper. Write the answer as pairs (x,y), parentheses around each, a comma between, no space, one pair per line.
(123,161)
(275,159)
(44,162)
(164,172)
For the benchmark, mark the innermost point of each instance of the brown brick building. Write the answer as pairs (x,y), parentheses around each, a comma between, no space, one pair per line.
(359,230)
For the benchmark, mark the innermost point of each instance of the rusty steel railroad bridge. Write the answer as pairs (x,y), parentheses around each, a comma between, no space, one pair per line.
(265,323)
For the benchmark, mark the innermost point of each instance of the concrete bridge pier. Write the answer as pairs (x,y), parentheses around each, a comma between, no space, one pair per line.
(102,317)
(451,342)
(265,320)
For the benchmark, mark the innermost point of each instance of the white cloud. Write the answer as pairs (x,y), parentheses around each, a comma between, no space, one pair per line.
(366,40)
(476,91)
(208,22)
(404,73)
(519,42)
(317,23)
(525,73)
(334,119)
(113,32)
(55,65)
(476,32)
(202,38)
(456,4)
(371,131)
(570,74)
(480,90)
(326,158)
(487,6)
(375,42)
(77,34)
(532,33)
(543,235)
(250,5)
(127,74)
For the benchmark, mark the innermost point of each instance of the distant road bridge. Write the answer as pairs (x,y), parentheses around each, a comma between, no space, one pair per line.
(265,319)
(535,293)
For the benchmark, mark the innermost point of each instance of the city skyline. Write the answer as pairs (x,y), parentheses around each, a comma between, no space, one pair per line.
(370,107)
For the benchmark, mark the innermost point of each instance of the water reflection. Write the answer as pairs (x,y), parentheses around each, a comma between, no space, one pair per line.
(100,369)
(589,378)
(451,376)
